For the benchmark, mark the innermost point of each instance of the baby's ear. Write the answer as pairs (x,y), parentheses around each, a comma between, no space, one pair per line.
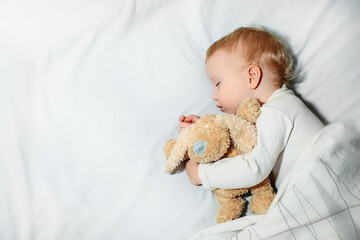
(249,110)
(254,74)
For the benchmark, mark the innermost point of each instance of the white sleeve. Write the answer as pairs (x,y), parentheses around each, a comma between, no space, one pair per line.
(274,129)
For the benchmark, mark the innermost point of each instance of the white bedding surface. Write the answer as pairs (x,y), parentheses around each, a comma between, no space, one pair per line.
(319,199)
(91,90)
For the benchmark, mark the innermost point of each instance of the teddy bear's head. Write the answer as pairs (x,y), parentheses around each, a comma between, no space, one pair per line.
(209,139)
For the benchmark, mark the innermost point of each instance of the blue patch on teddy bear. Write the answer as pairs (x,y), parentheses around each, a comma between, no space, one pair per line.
(199,147)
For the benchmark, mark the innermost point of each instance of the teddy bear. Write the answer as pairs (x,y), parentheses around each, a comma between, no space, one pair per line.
(217,136)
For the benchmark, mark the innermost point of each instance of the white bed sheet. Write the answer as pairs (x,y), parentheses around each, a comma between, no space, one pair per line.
(90,91)
(319,199)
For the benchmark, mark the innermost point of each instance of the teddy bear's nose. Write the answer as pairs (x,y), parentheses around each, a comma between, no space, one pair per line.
(199,147)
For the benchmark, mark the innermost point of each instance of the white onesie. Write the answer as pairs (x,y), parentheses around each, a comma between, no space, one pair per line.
(285,128)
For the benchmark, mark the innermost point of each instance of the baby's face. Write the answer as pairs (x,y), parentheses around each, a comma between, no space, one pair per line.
(229,80)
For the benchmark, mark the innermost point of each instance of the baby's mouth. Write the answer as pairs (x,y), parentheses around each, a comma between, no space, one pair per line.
(221,108)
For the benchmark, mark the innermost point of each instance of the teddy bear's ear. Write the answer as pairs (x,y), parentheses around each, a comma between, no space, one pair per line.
(249,110)
(169,146)
(178,151)
(242,132)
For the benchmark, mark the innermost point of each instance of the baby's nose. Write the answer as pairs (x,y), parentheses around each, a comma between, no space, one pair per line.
(215,95)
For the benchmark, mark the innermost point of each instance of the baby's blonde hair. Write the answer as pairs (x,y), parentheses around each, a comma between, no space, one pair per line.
(258,47)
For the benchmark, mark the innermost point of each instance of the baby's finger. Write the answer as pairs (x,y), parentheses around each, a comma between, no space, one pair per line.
(182,118)
(191,118)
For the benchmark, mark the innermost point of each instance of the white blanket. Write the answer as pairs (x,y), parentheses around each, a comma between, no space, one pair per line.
(319,199)
(90,90)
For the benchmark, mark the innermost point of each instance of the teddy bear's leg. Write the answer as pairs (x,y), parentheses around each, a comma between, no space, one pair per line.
(230,208)
(262,196)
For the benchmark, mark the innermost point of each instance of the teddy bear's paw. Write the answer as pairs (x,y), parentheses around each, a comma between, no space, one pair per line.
(174,167)
(171,166)
(230,211)
(259,204)
(169,169)
(229,193)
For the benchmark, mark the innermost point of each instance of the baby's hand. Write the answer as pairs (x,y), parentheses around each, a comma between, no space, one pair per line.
(187,121)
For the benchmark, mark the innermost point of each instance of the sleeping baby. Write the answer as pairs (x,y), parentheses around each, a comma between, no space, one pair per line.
(252,62)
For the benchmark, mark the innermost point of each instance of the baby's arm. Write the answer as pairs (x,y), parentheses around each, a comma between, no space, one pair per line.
(247,170)
(192,170)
